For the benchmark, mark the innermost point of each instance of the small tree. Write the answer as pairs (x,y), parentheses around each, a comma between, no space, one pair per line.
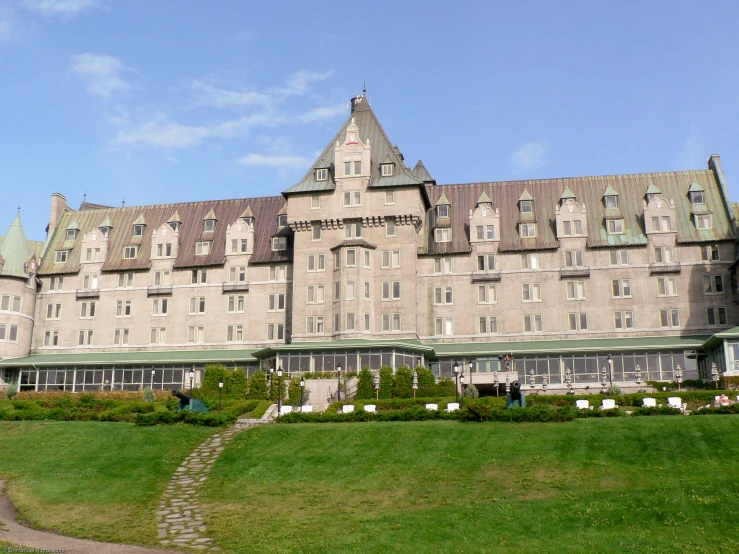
(386,382)
(274,387)
(149,395)
(257,386)
(293,391)
(365,385)
(426,382)
(471,392)
(12,391)
(403,383)
(446,386)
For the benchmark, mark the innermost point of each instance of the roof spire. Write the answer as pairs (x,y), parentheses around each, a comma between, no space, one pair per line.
(123,203)
(364,87)
(84,196)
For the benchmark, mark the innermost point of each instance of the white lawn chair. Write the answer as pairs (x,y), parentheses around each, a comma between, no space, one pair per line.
(349,408)
(307,409)
(452,407)
(608,404)
(675,402)
(286,410)
(432,406)
(583,405)
(649,402)
(371,408)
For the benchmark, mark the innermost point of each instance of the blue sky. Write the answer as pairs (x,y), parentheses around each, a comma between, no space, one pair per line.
(179,100)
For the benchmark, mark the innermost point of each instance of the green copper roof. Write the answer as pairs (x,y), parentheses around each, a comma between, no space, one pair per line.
(186,357)
(140,220)
(610,191)
(567,194)
(525,195)
(695,187)
(106,222)
(382,151)
(14,251)
(74,225)
(422,173)
(651,189)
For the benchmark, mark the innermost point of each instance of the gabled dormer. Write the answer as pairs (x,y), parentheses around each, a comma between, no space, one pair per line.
(352,156)
(610,199)
(282,217)
(139,227)
(94,247)
(165,242)
(240,235)
(175,222)
(247,216)
(526,216)
(660,216)
(443,209)
(652,191)
(71,232)
(567,195)
(387,166)
(322,171)
(209,223)
(571,219)
(484,221)
(105,227)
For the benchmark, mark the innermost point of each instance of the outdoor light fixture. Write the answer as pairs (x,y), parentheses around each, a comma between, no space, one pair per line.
(338,388)
(220,395)
(496,383)
(152,378)
(532,379)
(377,384)
(610,370)
(469,365)
(568,380)
(302,387)
(714,374)
(279,391)
(678,375)
(456,375)
(192,378)
(415,382)
(603,380)
(461,380)
(638,375)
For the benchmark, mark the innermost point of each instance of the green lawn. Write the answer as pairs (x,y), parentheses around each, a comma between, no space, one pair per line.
(94,480)
(648,484)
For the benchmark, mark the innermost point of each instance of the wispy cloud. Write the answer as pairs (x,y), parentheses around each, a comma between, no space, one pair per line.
(317,114)
(63,9)
(530,155)
(278,162)
(103,73)
(300,82)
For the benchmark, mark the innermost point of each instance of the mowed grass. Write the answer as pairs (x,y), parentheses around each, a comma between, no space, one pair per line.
(93,480)
(646,485)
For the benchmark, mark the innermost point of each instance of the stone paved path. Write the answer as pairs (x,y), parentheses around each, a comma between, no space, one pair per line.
(180,521)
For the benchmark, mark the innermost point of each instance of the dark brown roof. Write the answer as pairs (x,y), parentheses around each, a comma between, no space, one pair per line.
(631,191)
(191,213)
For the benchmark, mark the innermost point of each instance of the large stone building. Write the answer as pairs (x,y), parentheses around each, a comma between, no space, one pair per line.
(368,262)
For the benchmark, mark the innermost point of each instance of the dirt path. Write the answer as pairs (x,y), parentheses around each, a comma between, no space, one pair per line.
(13,532)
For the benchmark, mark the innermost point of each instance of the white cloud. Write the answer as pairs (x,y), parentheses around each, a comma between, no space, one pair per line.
(300,82)
(102,73)
(279,162)
(220,98)
(65,9)
(530,154)
(317,114)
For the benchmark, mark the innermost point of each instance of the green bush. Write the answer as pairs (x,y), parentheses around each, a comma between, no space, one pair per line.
(12,391)
(403,383)
(149,395)
(365,385)
(386,382)
(235,384)
(293,391)
(257,386)
(471,392)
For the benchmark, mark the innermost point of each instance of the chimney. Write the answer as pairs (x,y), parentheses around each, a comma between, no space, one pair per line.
(58,207)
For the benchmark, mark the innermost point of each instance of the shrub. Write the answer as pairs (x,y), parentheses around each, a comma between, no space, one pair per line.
(471,392)
(149,395)
(294,390)
(425,377)
(365,384)
(235,384)
(12,391)
(614,390)
(386,382)
(403,383)
(274,387)
(257,386)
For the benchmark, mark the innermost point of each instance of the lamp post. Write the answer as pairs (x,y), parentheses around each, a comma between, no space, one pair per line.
(415,382)
(456,376)
(377,384)
(507,384)
(461,380)
(220,395)
(279,391)
(192,379)
(470,365)
(638,375)
(568,380)
(544,383)
(152,379)
(272,382)
(532,379)
(603,380)
(610,370)
(496,383)
(678,375)
(302,388)
(338,388)
(714,374)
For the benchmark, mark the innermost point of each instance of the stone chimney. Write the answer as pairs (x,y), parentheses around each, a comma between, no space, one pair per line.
(58,207)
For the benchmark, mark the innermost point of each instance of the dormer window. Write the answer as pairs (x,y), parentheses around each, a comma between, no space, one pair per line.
(386,170)
(105,231)
(703,221)
(322,174)
(138,230)
(209,225)
(526,206)
(696,197)
(175,225)
(71,234)
(442,211)
(282,220)
(615,226)
(611,202)
(279,243)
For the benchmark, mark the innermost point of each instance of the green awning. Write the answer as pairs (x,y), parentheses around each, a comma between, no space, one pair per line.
(132,358)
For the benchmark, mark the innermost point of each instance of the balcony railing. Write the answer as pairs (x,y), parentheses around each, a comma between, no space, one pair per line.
(661,269)
(486,277)
(159,290)
(236,287)
(88,293)
(569,272)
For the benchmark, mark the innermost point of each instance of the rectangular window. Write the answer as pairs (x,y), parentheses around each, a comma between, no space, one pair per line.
(575,258)
(353,230)
(533,323)
(367,258)
(526,206)
(442,265)
(696,197)
(158,335)
(87,310)
(487,294)
(389,197)
(351,292)
(531,292)
(85,337)
(125,280)
(623,320)
(350,322)
(282,221)
(487,324)
(619,257)
(316,232)
(386,170)
(10,303)
(129,252)
(666,286)
(276,302)
(236,303)
(316,262)
(159,306)
(390,258)
(197,305)
(195,334)
(367,290)
(664,254)
(161,278)
(56,283)
(443,295)
(53,311)
(322,174)
(237,274)
(391,322)
(611,202)
(279,243)
(530,261)
(575,290)
(391,290)
(367,322)
(443,234)
(351,257)
(123,308)
(443,326)
(665,226)
(61,256)
(527,230)
(567,228)
(310,325)
(277,272)
(578,321)
(138,230)
(710,253)
(316,294)
(713,284)
(703,222)
(442,211)
(615,226)
(621,288)
(669,318)
(51,338)
(389,227)
(90,281)
(120,336)
(352,199)
(199,276)
(160,250)
(275,331)
(235,333)
(315,200)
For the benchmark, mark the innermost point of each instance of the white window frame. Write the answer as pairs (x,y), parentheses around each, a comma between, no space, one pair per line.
(443,264)
(279,244)
(671,316)
(487,325)
(315,200)
(621,288)
(666,286)
(619,257)
(443,296)
(61,256)
(531,292)
(710,253)
(576,290)
(533,323)
(527,230)
(487,294)
(322,174)
(703,221)
(130,252)
(615,226)
(611,202)
(528,205)
(623,319)
(443,234)
(530,261)
(577,321)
